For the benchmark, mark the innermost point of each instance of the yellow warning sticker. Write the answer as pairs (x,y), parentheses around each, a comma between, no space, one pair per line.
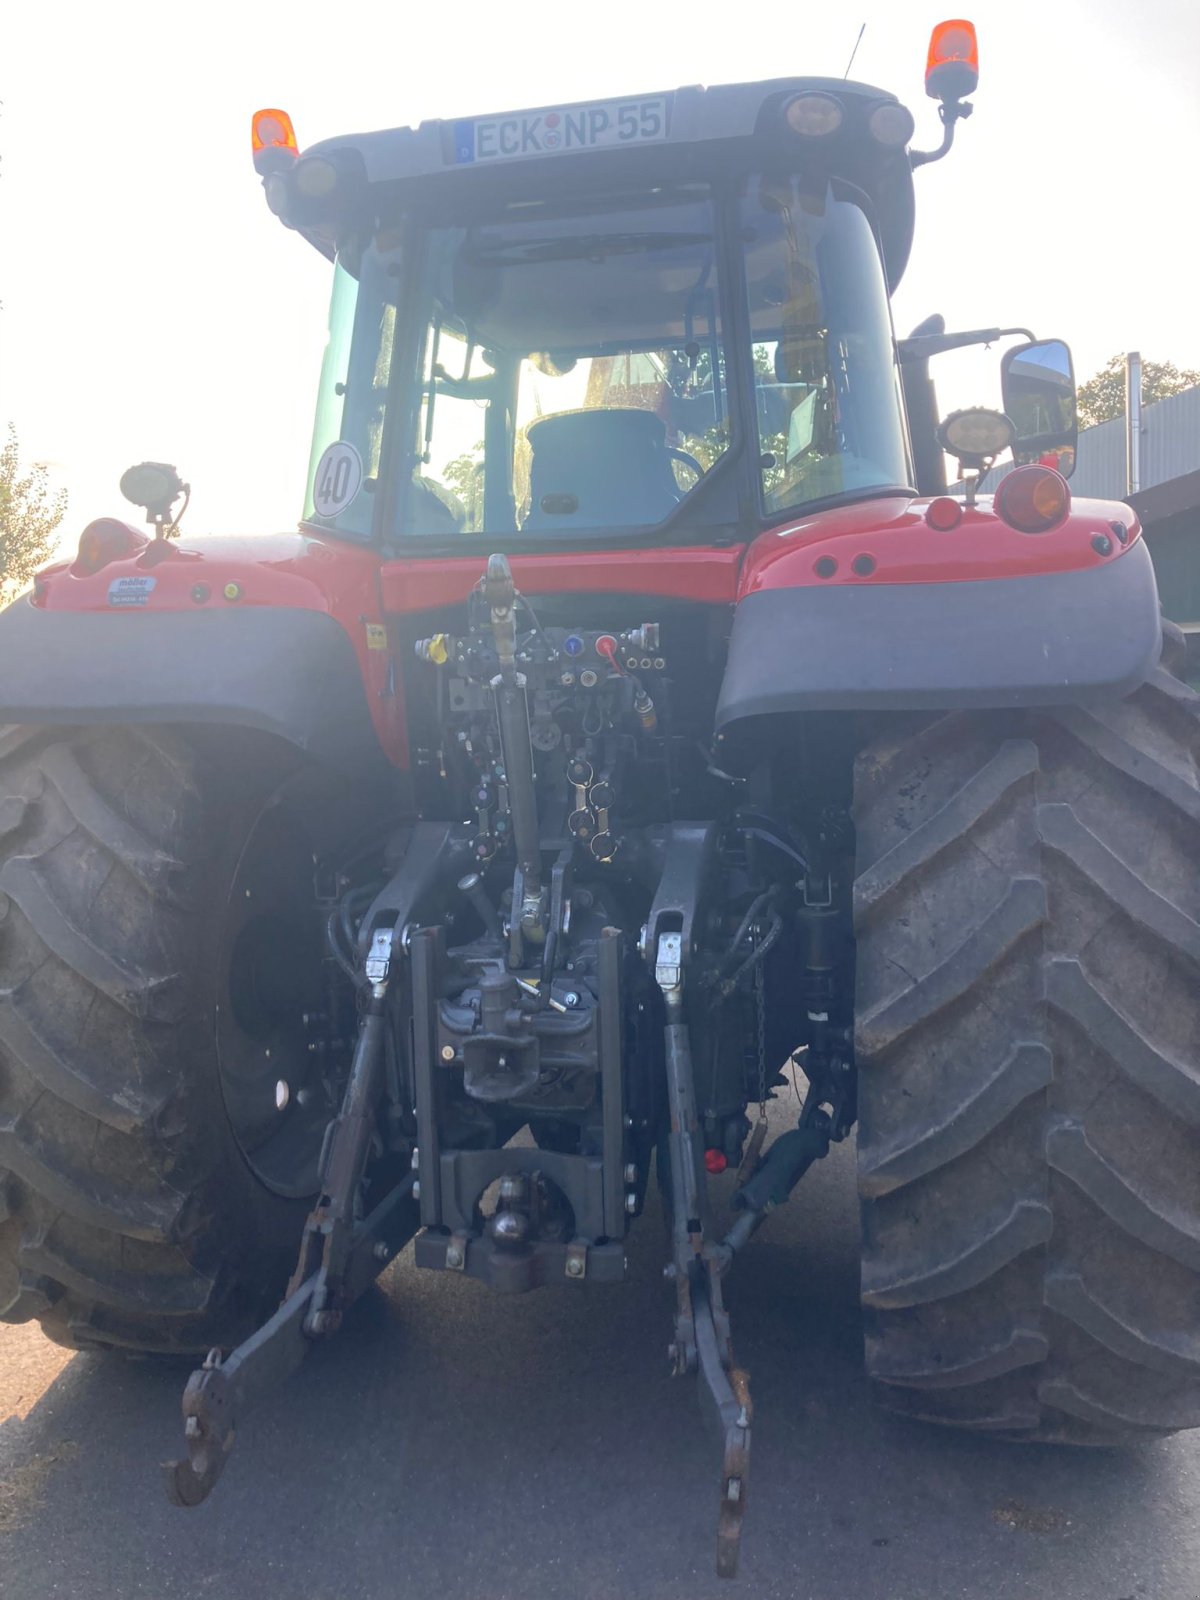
(376,636)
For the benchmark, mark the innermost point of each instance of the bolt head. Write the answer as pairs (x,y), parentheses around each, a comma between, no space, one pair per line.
(631,1202)
(381,1252)
(570,998)
(447,1052)
(574,1267)
(416,1191)
(454,1256)
(631,1173)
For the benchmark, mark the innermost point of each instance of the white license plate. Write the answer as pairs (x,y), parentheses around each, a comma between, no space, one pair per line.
(605,125)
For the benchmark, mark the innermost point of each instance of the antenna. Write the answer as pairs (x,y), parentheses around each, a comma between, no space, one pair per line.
(854,52)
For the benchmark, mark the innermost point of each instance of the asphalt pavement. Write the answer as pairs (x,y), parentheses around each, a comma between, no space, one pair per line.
(451,1444)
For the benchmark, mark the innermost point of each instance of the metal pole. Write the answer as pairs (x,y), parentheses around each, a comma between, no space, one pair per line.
(1133,423)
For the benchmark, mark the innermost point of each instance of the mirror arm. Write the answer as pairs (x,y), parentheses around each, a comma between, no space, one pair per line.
(922,346)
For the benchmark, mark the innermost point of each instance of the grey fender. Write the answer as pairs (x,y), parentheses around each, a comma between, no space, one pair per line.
(1058,638)
(289,672)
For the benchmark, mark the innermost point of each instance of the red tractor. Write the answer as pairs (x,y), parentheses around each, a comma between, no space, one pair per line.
(634,716)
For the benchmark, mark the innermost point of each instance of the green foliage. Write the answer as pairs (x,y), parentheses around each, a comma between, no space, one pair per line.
(1102,397)
(464,475)
(29,516)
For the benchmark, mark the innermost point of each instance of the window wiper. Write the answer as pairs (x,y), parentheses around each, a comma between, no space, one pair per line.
(582,247)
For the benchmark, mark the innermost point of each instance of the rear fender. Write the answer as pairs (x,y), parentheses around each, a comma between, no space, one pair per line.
(284,635)
(900,617)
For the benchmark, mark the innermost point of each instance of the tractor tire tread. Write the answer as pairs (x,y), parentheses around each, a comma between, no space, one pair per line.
(112,1168)
(1027,910)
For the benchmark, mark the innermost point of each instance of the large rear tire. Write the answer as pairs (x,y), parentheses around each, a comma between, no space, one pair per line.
(1028,1039)
(159,942)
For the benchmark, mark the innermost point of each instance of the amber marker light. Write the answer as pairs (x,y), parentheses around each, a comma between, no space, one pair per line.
(272,130)
(952,70)
(1032,499)
(107,540)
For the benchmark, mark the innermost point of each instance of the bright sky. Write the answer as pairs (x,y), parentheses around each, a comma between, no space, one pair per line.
(154,309)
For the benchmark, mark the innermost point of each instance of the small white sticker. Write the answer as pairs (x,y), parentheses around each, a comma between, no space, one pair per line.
(338,479)
(130,591)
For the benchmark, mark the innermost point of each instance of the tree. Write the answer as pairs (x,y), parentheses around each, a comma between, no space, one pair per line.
(1102,397)
(465,476)
(29,515)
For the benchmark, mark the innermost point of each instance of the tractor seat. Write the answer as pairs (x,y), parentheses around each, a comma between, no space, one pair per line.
(599,468)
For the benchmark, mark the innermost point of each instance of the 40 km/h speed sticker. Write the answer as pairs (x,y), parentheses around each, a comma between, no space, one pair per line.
(338,479)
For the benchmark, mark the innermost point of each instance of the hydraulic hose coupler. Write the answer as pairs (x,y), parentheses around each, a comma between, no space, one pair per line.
(644,710)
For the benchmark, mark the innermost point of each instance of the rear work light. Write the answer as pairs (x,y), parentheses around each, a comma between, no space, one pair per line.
(106,540)
(813,115)
(1032,499)
(316,178)
(952,71)
(891,124)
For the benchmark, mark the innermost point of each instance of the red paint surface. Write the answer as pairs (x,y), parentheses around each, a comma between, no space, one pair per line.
(339,579)
(704,575)
(350,584)
(907,550)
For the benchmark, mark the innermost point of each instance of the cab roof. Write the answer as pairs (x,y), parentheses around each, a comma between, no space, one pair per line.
(501,154)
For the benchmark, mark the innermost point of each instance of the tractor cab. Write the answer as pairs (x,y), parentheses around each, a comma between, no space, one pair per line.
(648,320)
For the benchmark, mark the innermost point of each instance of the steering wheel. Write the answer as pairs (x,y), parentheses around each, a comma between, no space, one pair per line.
(688,461)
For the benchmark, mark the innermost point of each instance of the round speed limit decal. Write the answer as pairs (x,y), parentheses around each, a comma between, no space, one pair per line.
(338,479)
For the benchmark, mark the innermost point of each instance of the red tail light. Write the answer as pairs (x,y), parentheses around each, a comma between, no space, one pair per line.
(104,541)
(944,513)
(1032,499)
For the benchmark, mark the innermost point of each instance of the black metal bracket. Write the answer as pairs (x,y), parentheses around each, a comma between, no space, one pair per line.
(222,1391)
(951,112)
(430,847)
(702,1342)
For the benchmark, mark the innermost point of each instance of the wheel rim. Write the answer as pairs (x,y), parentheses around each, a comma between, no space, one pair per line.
(280,1077)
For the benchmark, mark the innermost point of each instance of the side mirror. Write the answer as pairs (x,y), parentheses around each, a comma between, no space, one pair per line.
(1038,384)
